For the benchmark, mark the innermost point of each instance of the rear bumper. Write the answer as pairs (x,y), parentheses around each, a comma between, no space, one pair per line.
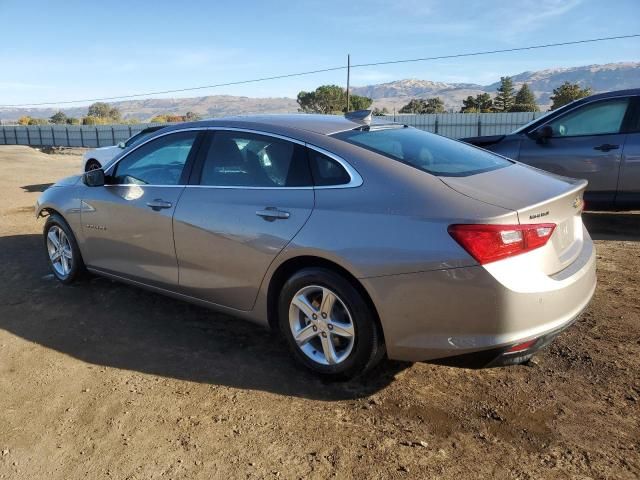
(501,356)
(463,311)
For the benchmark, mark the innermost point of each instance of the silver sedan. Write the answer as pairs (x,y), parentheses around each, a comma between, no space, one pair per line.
(354,238)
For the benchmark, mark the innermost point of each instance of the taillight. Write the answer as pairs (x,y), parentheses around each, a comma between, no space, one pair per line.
(488,243)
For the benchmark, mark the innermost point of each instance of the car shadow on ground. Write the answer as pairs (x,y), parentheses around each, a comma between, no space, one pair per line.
(115,325)
(40,187)
(612,226)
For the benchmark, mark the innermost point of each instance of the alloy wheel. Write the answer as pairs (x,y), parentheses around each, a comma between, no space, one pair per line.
(321,325)
(60,252)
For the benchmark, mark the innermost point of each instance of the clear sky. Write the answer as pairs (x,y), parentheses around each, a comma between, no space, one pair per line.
(75,49)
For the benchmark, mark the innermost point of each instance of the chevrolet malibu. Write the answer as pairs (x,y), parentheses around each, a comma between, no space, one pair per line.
(354,238)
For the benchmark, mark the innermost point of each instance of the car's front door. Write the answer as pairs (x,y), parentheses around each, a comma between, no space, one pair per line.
(629,184)
(127,224)
(587,143)
(253,194)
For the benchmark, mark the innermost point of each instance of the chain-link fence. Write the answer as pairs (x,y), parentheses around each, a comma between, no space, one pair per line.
(453,125)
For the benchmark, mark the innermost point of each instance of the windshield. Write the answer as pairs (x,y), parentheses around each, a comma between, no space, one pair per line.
(428,152)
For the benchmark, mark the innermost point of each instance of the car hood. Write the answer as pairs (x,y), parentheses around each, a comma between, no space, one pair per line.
(106,149)
(67,181)
(484,141)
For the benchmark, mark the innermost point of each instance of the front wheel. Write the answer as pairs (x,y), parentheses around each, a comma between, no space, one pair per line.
(329,326)
(62,249)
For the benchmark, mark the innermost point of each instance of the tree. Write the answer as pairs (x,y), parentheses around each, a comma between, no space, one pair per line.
(567,93)
(59,118)
(104,111)
(330,99)
(357,102)
(24,120)
(192,117)
(482,103)
(38,121)
(504,99)
(73,121)
(92,120)
(168,118)
(380,113)
(421,106)
(525,101)
(159,119)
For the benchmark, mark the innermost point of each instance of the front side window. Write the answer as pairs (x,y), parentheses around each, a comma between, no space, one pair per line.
(428,152)
(138,136)
(593,119)
(158,162)
(242,159)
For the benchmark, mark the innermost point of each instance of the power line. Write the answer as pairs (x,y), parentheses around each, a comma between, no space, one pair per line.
(239,82)
(330,69)
(505,50)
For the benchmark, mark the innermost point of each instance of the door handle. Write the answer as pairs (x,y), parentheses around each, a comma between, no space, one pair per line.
(159,204)
(605,147)
(271,213)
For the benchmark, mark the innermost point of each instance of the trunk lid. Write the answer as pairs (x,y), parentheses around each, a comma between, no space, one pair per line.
(537,197)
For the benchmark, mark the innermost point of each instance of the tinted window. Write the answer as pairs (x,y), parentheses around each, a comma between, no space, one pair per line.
(140,135)
(159,162)
(240,159)
(326,171)
(430,153)
(592,119)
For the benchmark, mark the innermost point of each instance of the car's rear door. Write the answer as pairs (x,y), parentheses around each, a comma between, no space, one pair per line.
(587,143)
(127,223)
(252,193)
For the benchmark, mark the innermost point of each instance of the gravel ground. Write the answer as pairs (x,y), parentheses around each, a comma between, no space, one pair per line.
(103,380)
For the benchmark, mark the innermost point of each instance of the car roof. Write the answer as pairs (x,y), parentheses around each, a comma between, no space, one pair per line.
(316,123)
(614,93)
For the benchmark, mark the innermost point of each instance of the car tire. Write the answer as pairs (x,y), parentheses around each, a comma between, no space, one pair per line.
(62,250)
(337,338)
(92,164)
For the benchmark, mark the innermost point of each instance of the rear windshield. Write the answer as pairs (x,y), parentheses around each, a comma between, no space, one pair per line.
(428,152)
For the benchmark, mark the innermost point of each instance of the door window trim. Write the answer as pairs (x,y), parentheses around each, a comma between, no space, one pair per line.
(355,180)
(188,166)
(624,126)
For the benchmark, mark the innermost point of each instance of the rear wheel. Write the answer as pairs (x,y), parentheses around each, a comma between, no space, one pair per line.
(62,250)
(329,326)
(92,164)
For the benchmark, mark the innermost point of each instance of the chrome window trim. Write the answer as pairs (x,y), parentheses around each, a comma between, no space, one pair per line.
(355,178)
(258,132)
(112,166)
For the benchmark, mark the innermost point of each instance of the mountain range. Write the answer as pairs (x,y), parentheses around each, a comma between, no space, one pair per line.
(392,95)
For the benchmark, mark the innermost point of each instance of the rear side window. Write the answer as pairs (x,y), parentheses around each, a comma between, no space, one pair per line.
(327,171)
(428,152)
(241,159)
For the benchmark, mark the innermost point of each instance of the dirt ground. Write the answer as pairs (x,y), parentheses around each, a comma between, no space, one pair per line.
(103,380)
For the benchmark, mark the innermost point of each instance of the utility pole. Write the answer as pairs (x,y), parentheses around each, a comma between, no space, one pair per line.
(348,75)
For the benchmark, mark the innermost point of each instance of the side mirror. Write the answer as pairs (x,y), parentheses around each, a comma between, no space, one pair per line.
(94,178)
(121,145)
(543,133)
